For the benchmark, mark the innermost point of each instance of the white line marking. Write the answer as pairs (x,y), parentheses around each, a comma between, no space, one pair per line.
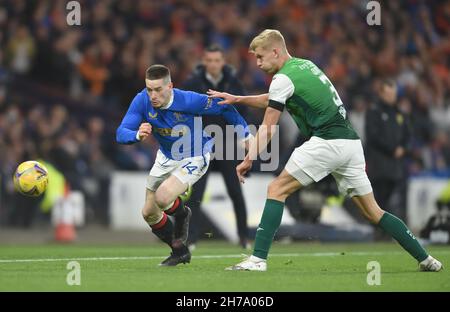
(315,254)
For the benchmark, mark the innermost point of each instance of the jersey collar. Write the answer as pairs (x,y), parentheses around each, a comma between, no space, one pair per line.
(168,104)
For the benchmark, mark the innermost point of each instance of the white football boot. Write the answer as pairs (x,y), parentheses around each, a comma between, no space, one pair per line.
(430,264)
(251,263)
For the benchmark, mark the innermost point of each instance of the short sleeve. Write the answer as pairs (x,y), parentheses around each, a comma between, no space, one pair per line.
(281,88)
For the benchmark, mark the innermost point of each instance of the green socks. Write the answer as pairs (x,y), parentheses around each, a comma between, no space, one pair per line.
(270,221)
(400,232)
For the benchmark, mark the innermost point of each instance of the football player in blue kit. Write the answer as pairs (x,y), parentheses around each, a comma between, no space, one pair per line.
(184,152)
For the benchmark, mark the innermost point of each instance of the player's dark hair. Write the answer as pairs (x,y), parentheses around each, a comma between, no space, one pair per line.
(388,82)
(157,71)
(215,48)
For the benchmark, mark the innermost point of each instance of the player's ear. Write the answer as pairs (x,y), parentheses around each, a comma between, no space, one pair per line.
(275,52)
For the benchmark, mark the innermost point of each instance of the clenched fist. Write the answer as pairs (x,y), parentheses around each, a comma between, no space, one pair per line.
(145,129)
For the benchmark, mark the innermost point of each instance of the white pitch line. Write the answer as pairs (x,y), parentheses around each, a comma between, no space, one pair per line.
(316,254)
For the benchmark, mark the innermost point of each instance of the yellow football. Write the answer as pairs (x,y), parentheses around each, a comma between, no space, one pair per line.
(31,178)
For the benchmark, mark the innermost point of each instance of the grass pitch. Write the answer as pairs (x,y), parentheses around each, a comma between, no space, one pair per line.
(291,268)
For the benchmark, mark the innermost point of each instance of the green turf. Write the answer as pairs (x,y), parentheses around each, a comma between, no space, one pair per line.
(340,267)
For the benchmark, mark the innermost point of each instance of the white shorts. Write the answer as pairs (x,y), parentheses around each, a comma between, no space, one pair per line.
(188,170)
(344,159)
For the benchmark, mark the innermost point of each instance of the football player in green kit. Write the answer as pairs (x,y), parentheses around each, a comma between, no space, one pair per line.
(301,88)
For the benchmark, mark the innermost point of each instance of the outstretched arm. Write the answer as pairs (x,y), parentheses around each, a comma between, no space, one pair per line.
(281,88)
(260,142)
(201,104)
(127,133)
(228,112)
(258,101)
(231,116)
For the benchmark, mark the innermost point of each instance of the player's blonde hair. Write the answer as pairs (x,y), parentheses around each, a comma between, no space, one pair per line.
(267,39)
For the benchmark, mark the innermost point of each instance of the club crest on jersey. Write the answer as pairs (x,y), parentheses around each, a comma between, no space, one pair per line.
(209,103)
(153,116)
(180,117)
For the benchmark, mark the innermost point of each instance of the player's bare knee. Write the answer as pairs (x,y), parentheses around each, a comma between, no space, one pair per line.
(271,189)
(149,212)
(377,216)
(162,198)
(162,202)
(374,216)
(151,216)
(371,218)
(146,214)
(275,190)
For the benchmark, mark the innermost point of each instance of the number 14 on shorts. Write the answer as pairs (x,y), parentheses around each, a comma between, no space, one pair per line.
(190,168)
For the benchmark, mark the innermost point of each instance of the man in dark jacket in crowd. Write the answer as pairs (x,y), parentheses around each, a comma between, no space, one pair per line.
(213,73)
(387,139)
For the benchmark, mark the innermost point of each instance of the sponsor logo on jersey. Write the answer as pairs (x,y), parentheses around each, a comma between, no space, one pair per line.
(171,132)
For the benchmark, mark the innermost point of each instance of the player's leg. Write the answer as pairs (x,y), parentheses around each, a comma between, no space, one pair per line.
(168,199)
(158,221)
(302,169)
(397,229)
(278,190)
(162,226)
(383,189)
(353,181)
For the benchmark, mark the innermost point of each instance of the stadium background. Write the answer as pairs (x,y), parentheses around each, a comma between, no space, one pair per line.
(64,89)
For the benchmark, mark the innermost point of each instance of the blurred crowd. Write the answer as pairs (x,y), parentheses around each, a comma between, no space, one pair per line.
(64,89)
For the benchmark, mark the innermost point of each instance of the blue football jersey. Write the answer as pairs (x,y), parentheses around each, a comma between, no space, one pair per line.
(179,133)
